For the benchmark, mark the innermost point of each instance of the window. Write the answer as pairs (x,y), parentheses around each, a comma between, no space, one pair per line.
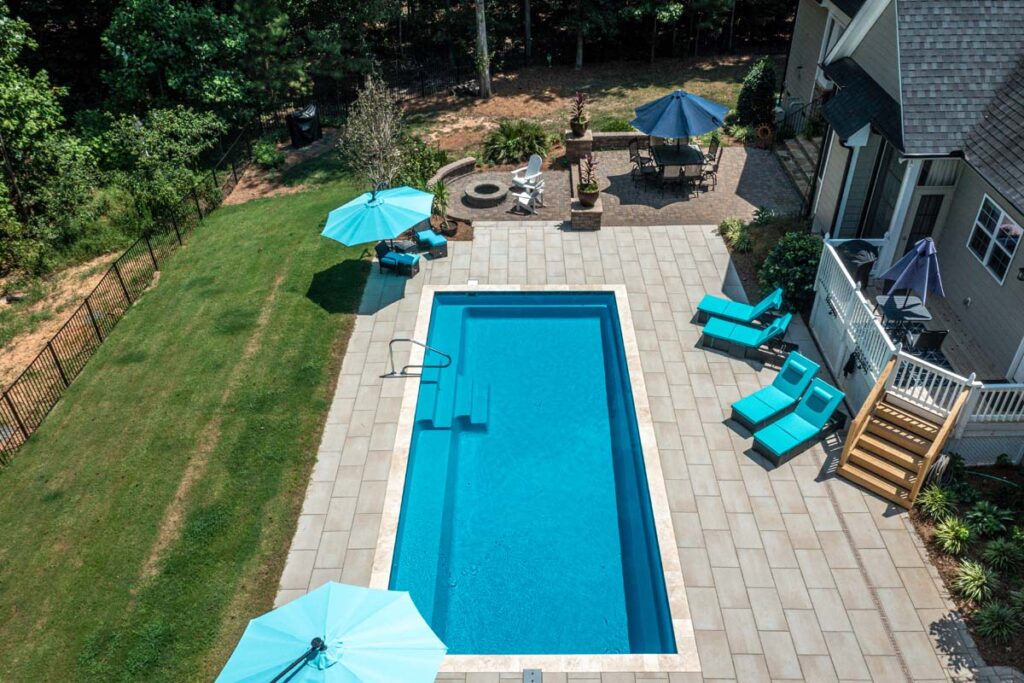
(833,32)
(994,238)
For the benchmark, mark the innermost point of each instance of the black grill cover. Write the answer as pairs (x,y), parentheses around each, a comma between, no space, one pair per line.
(303,126)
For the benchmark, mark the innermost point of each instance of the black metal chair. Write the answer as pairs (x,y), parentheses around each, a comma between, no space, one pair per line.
(712,154)
(711,172)
(927,344)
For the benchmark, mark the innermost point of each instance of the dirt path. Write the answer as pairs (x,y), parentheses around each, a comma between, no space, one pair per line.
(257,182)
(64,292)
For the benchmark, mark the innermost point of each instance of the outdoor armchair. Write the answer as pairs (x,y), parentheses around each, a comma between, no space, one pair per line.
(712,305)
(528,176)
(436,245)
(784,437)
(782,394)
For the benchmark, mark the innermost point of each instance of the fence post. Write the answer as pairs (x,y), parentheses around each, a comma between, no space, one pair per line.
(92,317)
(174,224)
(213,174)
(234,172)
(149,246)
(56,360)
(124,288)
(17,417)
(196,198)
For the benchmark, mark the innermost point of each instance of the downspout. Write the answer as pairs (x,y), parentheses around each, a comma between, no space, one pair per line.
(789,51)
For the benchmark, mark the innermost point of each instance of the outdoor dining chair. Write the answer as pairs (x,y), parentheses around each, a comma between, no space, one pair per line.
(670,175)
(712,153)
(636,156)
(710,171)
(692,175)
(927,344)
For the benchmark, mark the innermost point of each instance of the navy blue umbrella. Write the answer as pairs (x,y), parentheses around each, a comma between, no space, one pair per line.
(918,270)
(679,115)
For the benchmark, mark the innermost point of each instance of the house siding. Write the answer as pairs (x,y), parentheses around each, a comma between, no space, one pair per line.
(860,187)
(996,313)
(878,53)
(808,32)
(830,186)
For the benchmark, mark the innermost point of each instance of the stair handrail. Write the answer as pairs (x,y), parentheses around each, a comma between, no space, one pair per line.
(867,409)
(420,366)
(940,437)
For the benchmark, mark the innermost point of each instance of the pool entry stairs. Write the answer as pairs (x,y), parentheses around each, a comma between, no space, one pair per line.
(892,444)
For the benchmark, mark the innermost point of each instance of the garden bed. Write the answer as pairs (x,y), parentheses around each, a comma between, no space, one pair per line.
(975,484)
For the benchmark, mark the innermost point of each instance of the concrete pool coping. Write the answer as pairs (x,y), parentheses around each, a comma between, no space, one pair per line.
(685,659)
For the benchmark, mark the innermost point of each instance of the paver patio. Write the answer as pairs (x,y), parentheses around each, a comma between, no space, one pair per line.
(748,178)
(790,573)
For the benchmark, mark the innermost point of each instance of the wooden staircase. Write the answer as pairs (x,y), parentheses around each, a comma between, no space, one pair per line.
(891,445)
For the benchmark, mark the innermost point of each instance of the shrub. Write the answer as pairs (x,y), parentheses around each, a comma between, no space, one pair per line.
(756,102)
(975,582)
(419,161)
(953,536)
(743,134)
(736,234)
(578,109)
(936,502)
(442,195)
(267,155)
(515,140)
(611,124)
(1002,554)
(1017,602)
(763,216)
(792,264)
(987,519)
(996,621)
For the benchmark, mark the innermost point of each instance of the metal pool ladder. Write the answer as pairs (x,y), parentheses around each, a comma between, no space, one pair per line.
(404,371)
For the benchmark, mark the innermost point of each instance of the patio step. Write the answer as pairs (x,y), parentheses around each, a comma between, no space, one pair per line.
(889,451)
(906,420)
(799,158)
(897,436)
(882,467)
(884,488)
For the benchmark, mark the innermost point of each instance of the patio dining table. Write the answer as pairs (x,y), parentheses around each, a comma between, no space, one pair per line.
(901,310)
(671,155)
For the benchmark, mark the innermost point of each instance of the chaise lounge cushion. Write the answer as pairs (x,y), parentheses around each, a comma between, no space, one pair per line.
(797,428)
(735,310)
(785,390)
(762,405)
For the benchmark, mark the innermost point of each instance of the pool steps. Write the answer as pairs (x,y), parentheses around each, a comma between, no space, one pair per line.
(460,398)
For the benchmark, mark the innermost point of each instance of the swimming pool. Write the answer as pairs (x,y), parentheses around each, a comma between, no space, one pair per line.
(526,522)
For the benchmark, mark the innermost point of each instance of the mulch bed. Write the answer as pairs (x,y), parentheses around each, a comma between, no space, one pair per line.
(995,654)
(459,230)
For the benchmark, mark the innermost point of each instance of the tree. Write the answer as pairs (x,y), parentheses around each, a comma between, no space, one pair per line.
(527,32)
(483,57)
(373,132)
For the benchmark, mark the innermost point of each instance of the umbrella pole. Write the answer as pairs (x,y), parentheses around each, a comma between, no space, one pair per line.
(316,645)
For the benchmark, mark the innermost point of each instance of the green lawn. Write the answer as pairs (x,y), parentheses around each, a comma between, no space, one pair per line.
(228,364)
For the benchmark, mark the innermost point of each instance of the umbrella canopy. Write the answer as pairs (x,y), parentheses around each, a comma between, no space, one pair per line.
(679,115)
(362,636)
(379,215)
(918,270)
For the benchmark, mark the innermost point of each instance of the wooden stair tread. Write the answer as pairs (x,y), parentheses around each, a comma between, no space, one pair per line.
(905,420)
(875,484)
(882,467)
(887,450)
(899,437)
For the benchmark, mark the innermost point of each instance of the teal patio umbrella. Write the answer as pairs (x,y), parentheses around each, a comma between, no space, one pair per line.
(338,634)
(378,215)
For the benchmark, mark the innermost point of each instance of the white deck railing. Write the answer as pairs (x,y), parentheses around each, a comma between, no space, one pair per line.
(919,383)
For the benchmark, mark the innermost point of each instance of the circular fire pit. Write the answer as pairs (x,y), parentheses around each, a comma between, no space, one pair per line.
(484,195)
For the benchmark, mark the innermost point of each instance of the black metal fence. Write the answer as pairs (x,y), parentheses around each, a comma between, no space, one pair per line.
(27,401)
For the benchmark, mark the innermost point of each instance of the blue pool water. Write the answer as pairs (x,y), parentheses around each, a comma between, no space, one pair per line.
(526,524)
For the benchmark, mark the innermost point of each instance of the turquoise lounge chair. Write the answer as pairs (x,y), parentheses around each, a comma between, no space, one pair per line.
(781,439)
(718,307)
(745,336)
(783,393)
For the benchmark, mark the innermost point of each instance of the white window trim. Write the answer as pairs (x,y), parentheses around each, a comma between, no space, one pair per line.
(992,240)
(831,22)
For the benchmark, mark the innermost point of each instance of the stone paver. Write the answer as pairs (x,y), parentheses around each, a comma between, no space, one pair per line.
(790,573)
(748,178)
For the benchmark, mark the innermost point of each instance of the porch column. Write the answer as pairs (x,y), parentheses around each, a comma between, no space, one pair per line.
(899,216)
(855,142)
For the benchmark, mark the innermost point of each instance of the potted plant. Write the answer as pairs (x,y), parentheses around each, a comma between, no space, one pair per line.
(579,119)
(440,207)
(587,190)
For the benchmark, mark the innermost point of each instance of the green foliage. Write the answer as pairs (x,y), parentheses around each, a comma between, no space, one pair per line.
(578,109)
(1017,602)
(266,154)
(515,140)
(975,582)
(372,137)
(936,502)
(736,234)
(442,195)
(764,215)
(987,519)
(792,264)
(742,133)
(607,123)
(588,174)
(756,102)
(419,161)
(953,536)
(1003,554)
(997,622)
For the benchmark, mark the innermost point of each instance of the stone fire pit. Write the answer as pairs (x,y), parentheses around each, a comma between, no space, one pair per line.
(483,195)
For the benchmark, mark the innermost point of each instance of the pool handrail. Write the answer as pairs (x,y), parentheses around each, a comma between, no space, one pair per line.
(421,366)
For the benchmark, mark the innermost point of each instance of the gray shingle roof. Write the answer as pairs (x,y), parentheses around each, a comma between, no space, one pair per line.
(858,100)
(995,147)
(849,7)
(954,57)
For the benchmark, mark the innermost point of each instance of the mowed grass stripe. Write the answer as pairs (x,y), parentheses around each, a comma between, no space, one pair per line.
(81,506)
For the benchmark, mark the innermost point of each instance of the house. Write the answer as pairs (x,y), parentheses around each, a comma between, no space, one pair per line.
(922,103)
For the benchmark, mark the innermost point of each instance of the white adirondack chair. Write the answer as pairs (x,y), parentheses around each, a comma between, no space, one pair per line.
(529,175)
(529,198)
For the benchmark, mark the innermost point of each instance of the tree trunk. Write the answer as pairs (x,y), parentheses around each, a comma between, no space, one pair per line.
(527,31)
(447,24)
(732,23)
(654,34)
(579,34)
(483,57)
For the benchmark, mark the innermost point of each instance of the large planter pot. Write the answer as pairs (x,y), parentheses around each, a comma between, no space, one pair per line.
(588,198)
(578,127)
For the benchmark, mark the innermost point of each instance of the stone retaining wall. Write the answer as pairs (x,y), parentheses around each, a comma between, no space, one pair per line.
(454,170)
(608,141)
